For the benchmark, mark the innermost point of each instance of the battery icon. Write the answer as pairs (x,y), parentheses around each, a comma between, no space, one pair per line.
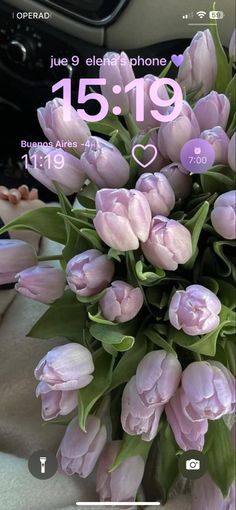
(216,14)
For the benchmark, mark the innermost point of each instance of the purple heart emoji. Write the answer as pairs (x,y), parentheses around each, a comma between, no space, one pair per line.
(177,59)
(152,153)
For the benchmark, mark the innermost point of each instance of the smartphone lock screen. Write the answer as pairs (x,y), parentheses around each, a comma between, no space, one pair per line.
(117,254)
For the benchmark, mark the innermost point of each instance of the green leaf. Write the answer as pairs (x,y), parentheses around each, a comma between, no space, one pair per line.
(230,92)
(89,395)
(111,335)
(156,338)
(90,300)
(92,236)
(38,221)
(214,180)
(167,460)
(108,125)
(86,196)
(148,278)
(226,293)
(220,455)
(127,365)
(194,225)
(165,71)
(115,254)
(132,446)
(223,68)
(226,266)
(70,248)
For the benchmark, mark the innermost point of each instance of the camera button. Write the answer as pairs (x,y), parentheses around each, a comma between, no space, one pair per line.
(192,464)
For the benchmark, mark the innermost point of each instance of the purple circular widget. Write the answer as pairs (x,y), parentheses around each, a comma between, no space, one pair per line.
(197,156)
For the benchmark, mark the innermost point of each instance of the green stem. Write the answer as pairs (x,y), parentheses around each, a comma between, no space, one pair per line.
(42,258)
(131,125)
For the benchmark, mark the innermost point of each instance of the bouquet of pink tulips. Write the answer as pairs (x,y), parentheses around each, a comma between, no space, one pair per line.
(144,296)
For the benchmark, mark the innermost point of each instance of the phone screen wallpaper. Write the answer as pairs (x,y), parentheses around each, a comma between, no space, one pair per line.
(117,261)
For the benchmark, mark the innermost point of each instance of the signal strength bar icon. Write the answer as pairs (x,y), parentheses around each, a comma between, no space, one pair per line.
(188,16)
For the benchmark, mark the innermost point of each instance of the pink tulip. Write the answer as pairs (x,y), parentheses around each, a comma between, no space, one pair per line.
(67,367)
(123,483)
(103,163)
(79,450)
(149,121)
(174,134)
(116,70)
(57,129)
(195,310)
(123,218)
(121,302)
(15,256)
(179,179)
(89,272)
(168,245)
(207,496)
(212,110)
(219,141)
(223,216)
(56,403)
(158,192)
(189,434)
(199,57)
(157,377)
(231,152)
(44,284)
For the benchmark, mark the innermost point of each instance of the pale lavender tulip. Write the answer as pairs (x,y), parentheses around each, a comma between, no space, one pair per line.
(89,272)
(212,110)
(157,377)
(174,134)
(15,256)
(219,141)
(103,163)
(199,57)
(205,495)
(189,434)
(179,179)
(55,402)
(232,47)
(149,121)
(121,302)
(168,245)
(210,390)
(123,218)
(195,310)
(44,284)
(79,450)
(45,168)
(117,70)
(57,129)
(67,367)
(148,152)
(136,417)
(158,192)
(121,484)
(223,216)
(231,152)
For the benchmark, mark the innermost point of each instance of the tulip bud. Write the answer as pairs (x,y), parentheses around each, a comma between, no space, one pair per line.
(44,284)
(116,70)
(212,110)
(56,403)
(67,367)
(168,245)
(58,130)
(210,390)
(148,153)
(195,310)
(137,418)
(158,192)
(123,218)
(79,450)
(223,216)
(89,272)
(199,67)
(206,495)
(179,179)
(219,141)
(104,164)
(189,434)
(121,484)
(121,302)
(232,47)
(231,152)
(174,134)
(46,168)
(157,377)
(149,121)
(14,257)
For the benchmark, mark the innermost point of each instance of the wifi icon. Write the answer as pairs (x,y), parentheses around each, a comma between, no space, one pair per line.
(201,14)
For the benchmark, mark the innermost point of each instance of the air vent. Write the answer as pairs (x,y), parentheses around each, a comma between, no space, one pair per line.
(93,12)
